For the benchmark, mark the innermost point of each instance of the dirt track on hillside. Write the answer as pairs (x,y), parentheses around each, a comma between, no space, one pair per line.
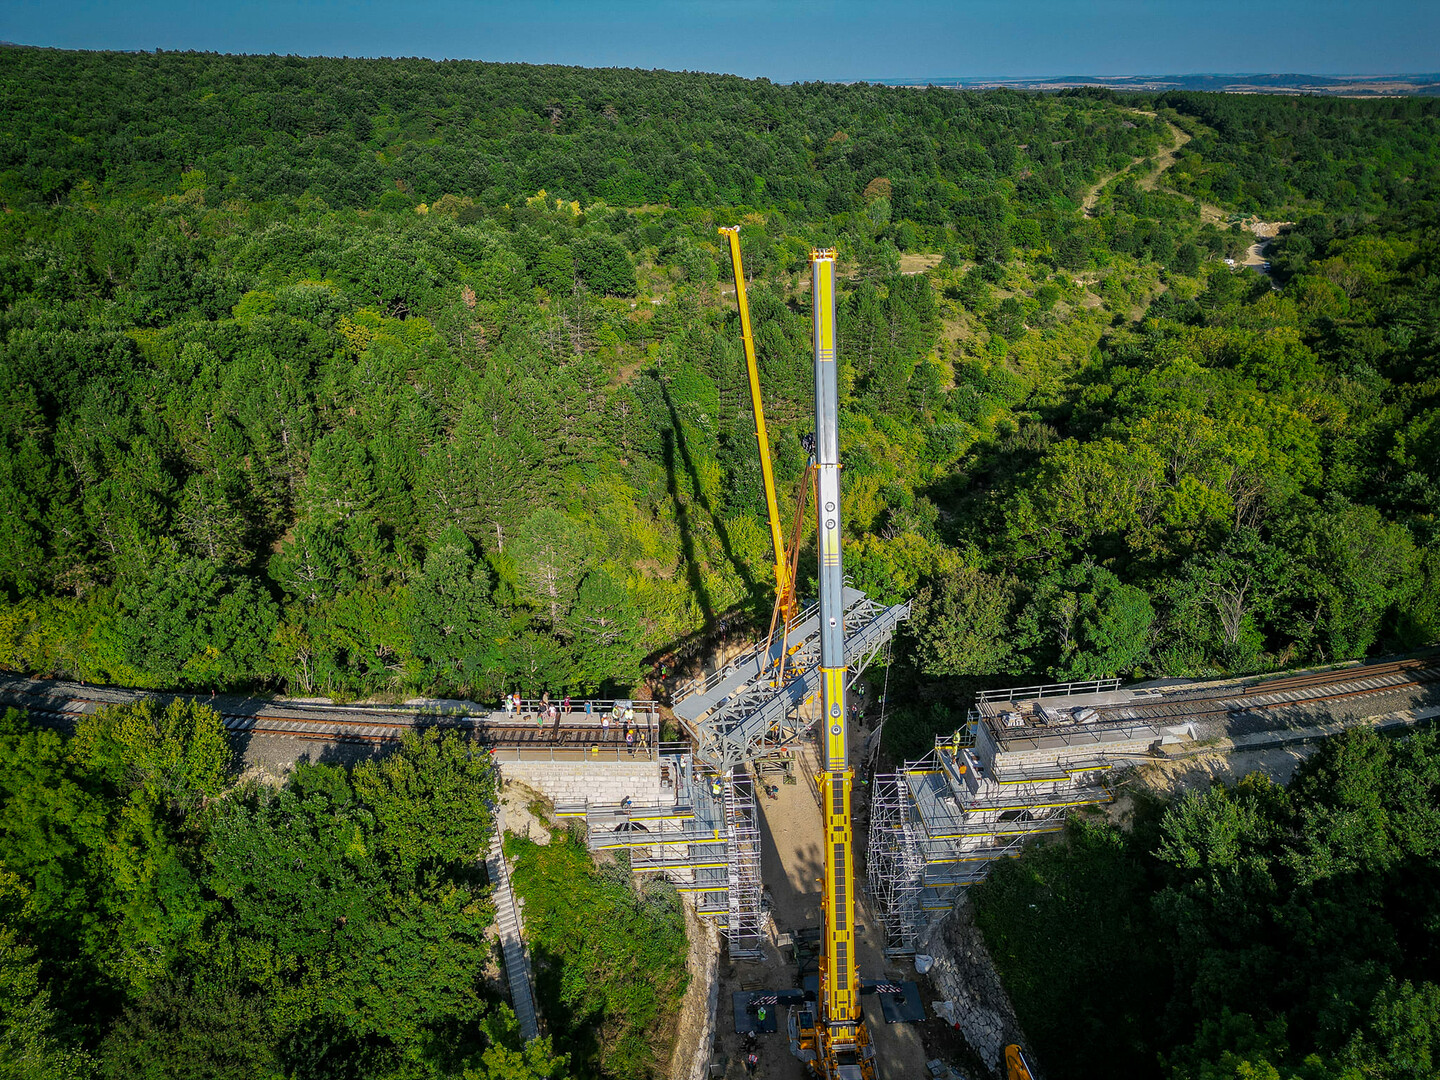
(1209,212)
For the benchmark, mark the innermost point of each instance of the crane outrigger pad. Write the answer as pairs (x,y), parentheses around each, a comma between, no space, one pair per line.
(746,1006)
(899,1001)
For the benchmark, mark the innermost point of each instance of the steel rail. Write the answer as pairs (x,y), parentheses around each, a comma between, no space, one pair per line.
(1417,674)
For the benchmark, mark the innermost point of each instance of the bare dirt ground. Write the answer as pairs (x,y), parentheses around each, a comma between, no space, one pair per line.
(271,760)
(1167,778)
(793,865)
(917,263)
(1258,253)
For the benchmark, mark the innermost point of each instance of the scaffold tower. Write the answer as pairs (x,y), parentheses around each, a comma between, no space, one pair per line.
(1025,759)
(706,842)
(894,865)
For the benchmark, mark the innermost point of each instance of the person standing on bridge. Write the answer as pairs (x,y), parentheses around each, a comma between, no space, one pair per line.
(509,706)
(565,708)
(545,702)
(589,708)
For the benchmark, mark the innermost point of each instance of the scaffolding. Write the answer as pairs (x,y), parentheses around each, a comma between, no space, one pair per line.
(706,843)
(894,867)
(941,822)
(745,915)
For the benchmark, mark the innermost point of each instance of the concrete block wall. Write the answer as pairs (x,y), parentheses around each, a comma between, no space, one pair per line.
(1084,749)
(595,781)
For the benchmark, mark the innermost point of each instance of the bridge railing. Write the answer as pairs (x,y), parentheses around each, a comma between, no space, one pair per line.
(1026,693)
(572,752)
(600,707)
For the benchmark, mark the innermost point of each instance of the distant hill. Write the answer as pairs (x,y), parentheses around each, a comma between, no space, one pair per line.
(1336,85)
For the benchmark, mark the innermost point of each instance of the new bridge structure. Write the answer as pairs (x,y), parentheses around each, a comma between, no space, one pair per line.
(1028,756)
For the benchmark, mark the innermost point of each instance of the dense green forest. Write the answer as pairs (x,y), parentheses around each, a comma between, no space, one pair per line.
(158,919)
(611,954)
(1250,931)
(368,376)
(160,922)
(383,377)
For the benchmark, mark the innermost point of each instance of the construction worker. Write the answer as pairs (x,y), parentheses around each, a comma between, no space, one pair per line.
(715,788)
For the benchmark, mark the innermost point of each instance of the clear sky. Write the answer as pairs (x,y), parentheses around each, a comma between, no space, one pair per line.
(782,39)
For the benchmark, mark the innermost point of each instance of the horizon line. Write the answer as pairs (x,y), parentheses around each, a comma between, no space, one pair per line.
(908,79)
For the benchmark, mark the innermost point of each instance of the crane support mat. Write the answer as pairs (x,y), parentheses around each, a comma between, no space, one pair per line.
(746,1004)
(899,1001)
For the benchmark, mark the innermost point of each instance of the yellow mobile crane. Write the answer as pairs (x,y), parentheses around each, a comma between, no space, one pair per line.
(836,1032)
(832,1036)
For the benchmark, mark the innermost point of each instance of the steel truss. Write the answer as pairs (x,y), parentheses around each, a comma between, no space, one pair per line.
(752,707)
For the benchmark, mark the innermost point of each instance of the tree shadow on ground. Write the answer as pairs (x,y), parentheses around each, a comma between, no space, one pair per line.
(673,442)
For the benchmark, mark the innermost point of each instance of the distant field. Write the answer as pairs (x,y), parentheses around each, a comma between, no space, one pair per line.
(1333,85)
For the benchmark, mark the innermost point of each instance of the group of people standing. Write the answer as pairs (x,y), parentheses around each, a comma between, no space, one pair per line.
(622,713)
(548,710)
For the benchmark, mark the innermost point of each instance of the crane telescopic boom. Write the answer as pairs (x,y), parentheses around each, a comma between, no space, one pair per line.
(840,1040)
(833,1036)
(784,578)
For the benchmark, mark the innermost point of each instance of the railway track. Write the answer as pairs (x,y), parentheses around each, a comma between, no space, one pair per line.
(365,725)
(1312,688)
(369,731)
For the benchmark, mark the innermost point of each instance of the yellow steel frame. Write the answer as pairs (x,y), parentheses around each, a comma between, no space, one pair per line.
(784,582)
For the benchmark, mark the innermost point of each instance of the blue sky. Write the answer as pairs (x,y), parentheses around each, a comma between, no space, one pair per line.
(781,39)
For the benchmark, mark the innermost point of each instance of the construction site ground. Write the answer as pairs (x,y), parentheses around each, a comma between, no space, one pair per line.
(792,863)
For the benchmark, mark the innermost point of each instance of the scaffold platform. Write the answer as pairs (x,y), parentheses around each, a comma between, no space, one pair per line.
(706,843)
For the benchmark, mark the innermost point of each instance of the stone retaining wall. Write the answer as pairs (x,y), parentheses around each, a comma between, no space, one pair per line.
(964,974)
(695,1034)
(598,781)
